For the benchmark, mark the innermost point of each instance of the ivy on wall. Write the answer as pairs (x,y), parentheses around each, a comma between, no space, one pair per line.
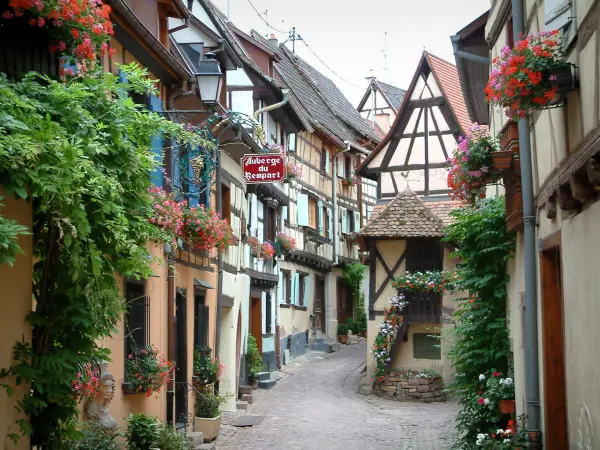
(480,335)
(79,152)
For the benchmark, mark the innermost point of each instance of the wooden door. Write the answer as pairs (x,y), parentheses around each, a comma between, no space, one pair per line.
(319,311)
(345,303)
(256,321)
(555,398)
(181,358)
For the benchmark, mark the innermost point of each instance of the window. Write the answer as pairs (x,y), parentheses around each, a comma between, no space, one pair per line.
(201,321)
(226,202)
(426,346)
(325,222)
(347,167)
(291,142)
(350,219)
(301,288)
(270,223)
(510,40)
(137,317)
(323,166)
(312,213)
(287,286)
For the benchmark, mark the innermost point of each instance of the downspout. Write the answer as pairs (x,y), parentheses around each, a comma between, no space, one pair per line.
(171,330)
(257,113)
(284,102)
(466,55)
(334,201)
(532,380)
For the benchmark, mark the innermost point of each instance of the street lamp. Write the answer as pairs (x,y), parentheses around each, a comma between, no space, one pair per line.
(209,78)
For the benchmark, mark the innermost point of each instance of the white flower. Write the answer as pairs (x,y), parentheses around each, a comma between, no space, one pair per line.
(506,441)
(481,377)
(499,431)
(507,431)
(481,436)
(486,401)
(508,381)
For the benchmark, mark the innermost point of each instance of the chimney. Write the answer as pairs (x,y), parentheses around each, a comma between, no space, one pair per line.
(273,41)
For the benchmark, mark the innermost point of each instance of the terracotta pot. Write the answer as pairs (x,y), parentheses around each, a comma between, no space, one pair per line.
(343,339)
(507,406)
(502,159)
(209,427)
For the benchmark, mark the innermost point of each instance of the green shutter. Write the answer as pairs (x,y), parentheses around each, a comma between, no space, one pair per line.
(302,209)
(356,221)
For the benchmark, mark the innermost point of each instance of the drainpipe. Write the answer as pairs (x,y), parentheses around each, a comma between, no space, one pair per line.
(532,382)
(466,55)
(334,201)
(284,102)
(171,329)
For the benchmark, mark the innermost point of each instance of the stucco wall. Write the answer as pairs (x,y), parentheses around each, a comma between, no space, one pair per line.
(16,301)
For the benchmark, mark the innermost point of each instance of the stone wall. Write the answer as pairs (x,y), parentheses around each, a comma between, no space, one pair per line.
(406,388)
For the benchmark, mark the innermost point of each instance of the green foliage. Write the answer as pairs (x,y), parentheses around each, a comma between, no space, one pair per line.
(79,152)
(480,334)
(9,237)
(208,369)
(255,361)
(342,329)
(142,431)
(353,277)
(208,403)
(169,439)
(96,437)
(353,325)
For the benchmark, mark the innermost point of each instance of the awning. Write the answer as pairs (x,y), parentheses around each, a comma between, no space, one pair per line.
(202,284)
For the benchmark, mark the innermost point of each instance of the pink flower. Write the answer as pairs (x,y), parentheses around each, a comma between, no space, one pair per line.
(481,401)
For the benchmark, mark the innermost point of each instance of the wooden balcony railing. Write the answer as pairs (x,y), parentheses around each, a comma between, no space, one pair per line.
(423,307)
(509,142)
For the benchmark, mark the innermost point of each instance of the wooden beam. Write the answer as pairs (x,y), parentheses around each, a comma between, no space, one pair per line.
(581,188)
(426,171)
(551,207)
(566,200)
(390,272)
(431,133)
(439,133)
(427,102)
(404,168)
(412,139)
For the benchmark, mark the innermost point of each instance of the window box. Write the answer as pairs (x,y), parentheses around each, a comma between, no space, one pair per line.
(502,160)
(129,389)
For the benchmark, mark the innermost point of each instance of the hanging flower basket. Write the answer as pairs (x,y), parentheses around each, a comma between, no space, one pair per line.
(260,250)
(532,75)
(284,244)
(147,371)
(470,164)
(207,230)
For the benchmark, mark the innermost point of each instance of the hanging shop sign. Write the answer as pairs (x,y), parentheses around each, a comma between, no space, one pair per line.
(267,168)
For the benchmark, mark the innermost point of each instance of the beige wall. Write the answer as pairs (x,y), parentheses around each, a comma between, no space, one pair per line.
(16,302)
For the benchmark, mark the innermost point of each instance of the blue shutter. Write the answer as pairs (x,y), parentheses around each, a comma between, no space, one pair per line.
(344,221)
(320,216)
(193,194)
(295,289)
(176,165)
(156,141)
(330,227)
(356,221)
(306,290)
(302,209)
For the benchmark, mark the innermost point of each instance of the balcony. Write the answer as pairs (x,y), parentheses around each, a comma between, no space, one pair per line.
(262,272)
(423,307)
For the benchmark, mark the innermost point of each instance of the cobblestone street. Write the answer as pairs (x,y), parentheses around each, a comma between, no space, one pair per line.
(316,407)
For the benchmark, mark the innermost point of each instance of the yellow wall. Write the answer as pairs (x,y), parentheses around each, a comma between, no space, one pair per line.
(16,302)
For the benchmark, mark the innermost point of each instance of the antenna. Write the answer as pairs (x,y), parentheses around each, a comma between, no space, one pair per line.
(385,52)
(293,37)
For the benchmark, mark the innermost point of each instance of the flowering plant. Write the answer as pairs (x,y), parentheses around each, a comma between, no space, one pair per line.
(275,148)
(208,369)
(286,242)
(493,388)
(509,438)
(82,28)
(470,164)
(292,169)
(168,214)
(268,251)
(262,250)
(87,382)
(392,319)
(148,370)
(207,230)
(520,79)
(430,281)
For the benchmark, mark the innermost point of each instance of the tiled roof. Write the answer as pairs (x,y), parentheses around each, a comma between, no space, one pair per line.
(447,77)
(442,209)
(405,216)
(394,94)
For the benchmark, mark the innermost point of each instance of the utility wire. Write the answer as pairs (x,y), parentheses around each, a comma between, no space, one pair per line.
(264,20)
(330,69)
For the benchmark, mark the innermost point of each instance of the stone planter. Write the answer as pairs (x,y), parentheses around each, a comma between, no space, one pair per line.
(405,388)
(343,339)
(209,427)
(507,406)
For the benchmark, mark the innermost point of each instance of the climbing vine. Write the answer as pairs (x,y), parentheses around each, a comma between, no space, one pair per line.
(480,335)
(353,277)
(79,152)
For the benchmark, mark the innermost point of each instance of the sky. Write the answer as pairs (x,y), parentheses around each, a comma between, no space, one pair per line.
(350,36)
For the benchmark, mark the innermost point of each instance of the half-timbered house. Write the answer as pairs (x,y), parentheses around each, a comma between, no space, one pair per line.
(564,151)
(380,104)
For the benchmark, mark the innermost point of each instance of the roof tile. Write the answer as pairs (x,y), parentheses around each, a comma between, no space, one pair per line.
(394,94)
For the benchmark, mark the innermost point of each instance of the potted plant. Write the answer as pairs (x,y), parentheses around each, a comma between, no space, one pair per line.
(284,243)
(350,181)
(293,171)
(470,164)
(207,230)
(499,391)
(534,74)
(208,414)
(342,332)
(255,361)
(146,370)
(502,159)
(207,371)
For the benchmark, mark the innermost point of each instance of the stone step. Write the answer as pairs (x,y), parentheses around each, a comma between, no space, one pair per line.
(263,376)
(245,390)
(327,347)
(241,405)
(266,384)
(195,437)
(208,446)
(247,398)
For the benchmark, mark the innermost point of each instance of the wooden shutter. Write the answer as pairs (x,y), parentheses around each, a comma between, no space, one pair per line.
(156,144)
(330,219)
(356,221)
(137,323)
(288,288)
(320,216)
(425,346)
(302,209)
(557,14)
(306,290)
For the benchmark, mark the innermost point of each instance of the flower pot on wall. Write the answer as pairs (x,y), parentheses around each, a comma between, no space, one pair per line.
(507,406)
(343,339)
(502,160)
(208,426)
